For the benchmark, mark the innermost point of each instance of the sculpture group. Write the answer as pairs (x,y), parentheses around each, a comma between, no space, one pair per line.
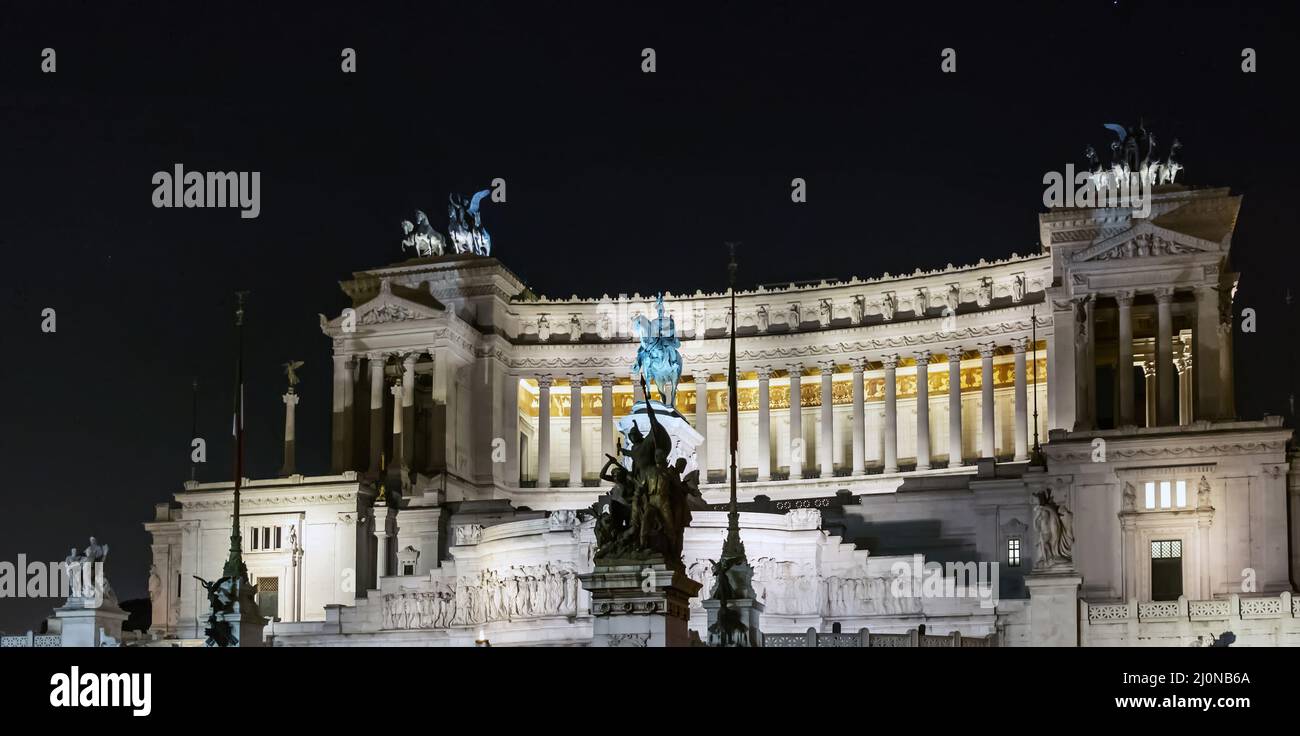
(464,226)
(527,591)
(647,510)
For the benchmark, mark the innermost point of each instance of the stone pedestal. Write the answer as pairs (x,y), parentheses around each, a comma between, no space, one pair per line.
(246,622)
(639,604)
(749,611)
(1054,608)
(87,622)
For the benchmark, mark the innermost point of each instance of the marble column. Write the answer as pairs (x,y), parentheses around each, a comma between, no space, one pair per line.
(575,430)
(544,430)
(1183,369)
(399,460)
(1085,371)
(988,442)
(1149,377)
(339,457)
(1207,346)
(376,409)
(891,413)
(1166,393)
(702,424)
(826,436)
(796,422)
(954,406)
(381,550)
(290,403)
(1124,366)
(1018,346)
(859,365)
(350,413)
(607,416)
(923,410)
(408,409)
(764,423)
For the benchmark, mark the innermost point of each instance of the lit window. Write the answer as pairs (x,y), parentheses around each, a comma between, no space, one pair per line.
(1013,552)
(1164,494)
(1180,494)
(1151,494)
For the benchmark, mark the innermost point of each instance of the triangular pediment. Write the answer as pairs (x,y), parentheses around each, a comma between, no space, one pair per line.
(1145,240)
(386,307)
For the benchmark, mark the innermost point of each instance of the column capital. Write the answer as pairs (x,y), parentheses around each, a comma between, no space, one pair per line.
(1124,298)
(923,357)
(545,380)
(1148,368)
(607,380)
(701,378)
(396,389)
(986,349)
(858,364)
(795,369)
(890,361)
(1164,295)
(954,354)
(575,379)
(1019,344)
(764,372)
(290,399)
(377,356)
(408,360)
(827,367)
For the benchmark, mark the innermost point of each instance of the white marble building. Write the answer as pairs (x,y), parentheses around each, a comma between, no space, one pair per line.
(501,406)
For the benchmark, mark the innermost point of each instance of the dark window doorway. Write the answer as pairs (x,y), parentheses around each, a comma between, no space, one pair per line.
(1166,569)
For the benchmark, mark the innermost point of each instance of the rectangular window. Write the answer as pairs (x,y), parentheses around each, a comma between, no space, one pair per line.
(1151,494)
(252,538)
(1180,494)
(266,537)
(1165,501)
(1166,569)
(277,537)
(1013,552)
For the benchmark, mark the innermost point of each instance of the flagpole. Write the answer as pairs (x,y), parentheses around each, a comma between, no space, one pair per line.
(733,417)
(235,567)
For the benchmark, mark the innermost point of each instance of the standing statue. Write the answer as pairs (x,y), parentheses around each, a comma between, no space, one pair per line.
(1054,524)
(291,372)
(96,552)
(658,359)
(465,226)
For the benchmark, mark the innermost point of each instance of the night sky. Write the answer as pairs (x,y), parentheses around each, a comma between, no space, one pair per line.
(617,181)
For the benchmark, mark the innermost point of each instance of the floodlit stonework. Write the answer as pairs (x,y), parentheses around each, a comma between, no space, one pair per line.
(880,419)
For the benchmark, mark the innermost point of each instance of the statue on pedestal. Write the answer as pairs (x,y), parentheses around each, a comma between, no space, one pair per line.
(1054,524)
(658,358)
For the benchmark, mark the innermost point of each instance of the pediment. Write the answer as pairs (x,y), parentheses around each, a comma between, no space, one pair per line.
(386,307)
(1144,240)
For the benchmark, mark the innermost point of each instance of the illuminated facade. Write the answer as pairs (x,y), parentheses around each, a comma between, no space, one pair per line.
(911,435)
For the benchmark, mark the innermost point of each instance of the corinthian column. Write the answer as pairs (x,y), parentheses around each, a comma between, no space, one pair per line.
(376,409)
(575,430)
(339,460)
(290,403)
(796,422)
(859,417)
(702,424)
(954,406)
(1124,376)
(606,416)
(988,443)
(408,409)
(891,413)
(764,423)
(544,431)
(1018,345)
(826,438)
(923,410)
(1166,394)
